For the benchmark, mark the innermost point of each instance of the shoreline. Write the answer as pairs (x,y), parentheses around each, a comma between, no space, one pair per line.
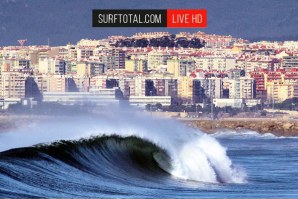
(275,126)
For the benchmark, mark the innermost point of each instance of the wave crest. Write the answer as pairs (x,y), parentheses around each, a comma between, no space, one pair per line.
(203,159)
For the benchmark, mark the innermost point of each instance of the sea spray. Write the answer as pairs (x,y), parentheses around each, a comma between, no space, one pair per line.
(204,159)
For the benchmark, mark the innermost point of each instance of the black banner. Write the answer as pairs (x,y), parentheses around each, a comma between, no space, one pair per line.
(129,18)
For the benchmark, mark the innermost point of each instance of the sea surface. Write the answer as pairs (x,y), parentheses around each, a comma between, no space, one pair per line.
(144,157)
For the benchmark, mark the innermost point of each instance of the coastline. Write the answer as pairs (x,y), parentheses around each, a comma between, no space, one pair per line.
(276,126)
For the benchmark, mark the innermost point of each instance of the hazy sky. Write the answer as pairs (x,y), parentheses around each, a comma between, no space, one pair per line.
(64,21)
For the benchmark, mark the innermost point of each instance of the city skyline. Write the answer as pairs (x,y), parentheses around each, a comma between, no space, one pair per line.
(186,68)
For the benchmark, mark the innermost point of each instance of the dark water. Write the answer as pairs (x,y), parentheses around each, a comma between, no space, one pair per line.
(131,167)
(271,165)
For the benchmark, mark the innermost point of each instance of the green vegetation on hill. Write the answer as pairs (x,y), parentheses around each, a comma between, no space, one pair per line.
(165,41)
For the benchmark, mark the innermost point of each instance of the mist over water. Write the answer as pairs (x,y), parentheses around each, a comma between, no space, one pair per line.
(194,155)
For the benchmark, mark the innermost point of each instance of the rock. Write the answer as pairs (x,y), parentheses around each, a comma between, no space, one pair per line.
(239,126)
(287,126)
(272,127)
(183,114)
(265,129)
(277,127)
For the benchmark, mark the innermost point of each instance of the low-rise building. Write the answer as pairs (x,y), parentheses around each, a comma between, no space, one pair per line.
(142,101)
(234,103)
(99,97)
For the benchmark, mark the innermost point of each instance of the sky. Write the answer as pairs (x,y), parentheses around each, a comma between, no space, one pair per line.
(64,21)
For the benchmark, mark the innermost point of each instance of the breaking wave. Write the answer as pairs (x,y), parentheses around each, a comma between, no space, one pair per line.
(131,153)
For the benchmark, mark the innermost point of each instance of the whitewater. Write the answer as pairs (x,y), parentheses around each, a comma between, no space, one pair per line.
(131,154)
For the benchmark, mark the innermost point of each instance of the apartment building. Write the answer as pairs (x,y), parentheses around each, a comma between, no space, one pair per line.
(84,53)
(171,87)
(180,67)
(240,88)
(213,87)
(215,63)
(98,82)
(125,85)
(198,92)
(260,83)
(279,77)
(136,65)
(52,66)
(137,87)
(277,92)
(289,62)
(247,88)
(185,89)
(59,83)
(13,85)
(16,64)
(90,68)
(157,59)
(113,58)
(72,53)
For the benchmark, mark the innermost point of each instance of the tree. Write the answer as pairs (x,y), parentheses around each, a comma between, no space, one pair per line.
(263,113)
(164,41)
(148,107)
(288,104)
(158,106)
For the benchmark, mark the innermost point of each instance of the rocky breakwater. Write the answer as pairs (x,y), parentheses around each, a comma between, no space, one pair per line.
(277,127)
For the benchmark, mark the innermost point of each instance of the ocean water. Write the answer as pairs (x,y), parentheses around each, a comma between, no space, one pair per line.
(132,155)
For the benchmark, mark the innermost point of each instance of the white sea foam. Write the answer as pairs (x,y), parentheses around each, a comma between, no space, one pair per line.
(195,155)
(244,134)
(236,134)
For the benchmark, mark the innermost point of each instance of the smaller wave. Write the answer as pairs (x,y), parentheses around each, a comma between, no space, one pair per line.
(244,134)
